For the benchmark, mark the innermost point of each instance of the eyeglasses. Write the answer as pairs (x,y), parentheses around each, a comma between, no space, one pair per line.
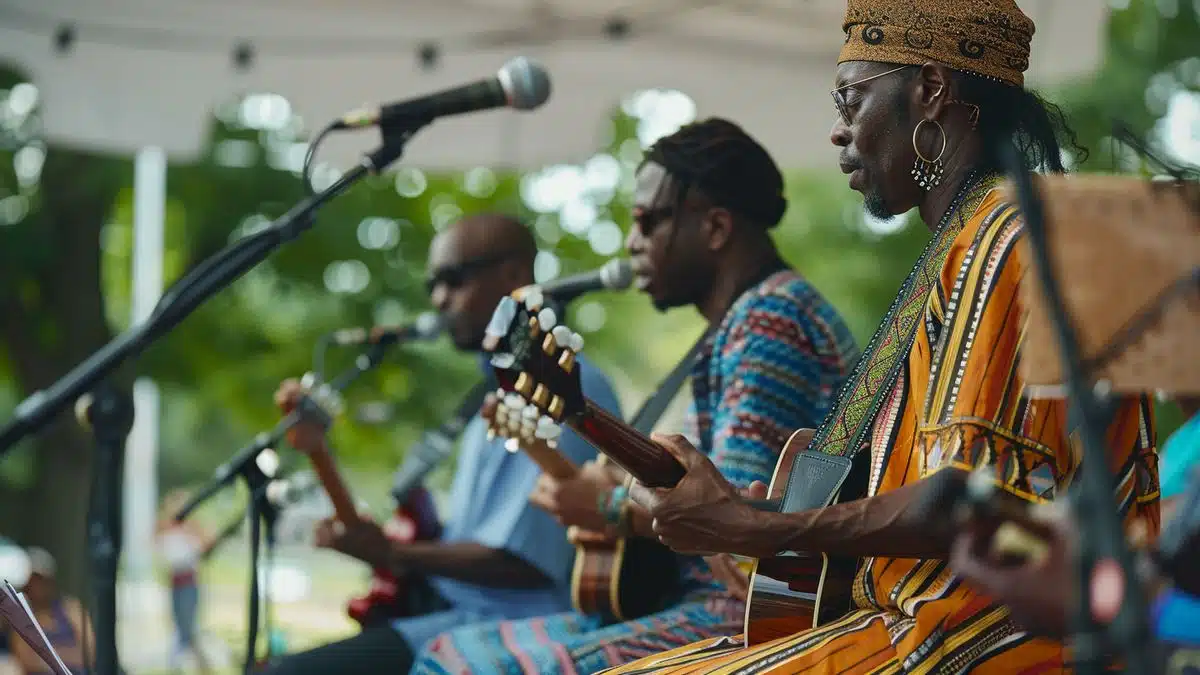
(839,98)
(454,276)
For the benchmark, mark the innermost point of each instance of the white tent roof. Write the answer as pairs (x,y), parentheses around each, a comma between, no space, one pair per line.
(150,72)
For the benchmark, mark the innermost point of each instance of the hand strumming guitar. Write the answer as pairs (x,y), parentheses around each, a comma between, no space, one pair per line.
(704,514)
(575,502)
(724,567)
(305,436)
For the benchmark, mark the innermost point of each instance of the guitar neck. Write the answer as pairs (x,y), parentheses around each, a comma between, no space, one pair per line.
(550,461)
(334,486)
(627,447)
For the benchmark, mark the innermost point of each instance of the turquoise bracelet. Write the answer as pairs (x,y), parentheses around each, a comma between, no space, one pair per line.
(614,504)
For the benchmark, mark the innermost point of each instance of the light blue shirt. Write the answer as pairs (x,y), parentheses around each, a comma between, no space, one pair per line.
(491,495)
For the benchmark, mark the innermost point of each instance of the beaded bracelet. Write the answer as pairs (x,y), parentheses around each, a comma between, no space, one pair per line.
(611,510)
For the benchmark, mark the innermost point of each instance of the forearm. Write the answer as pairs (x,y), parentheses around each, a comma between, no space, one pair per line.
(886,525)
(466,561)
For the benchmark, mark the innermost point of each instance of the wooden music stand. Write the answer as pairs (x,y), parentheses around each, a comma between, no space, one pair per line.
(1127,252)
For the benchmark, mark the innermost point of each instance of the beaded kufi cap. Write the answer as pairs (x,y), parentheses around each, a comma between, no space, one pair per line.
(986,37)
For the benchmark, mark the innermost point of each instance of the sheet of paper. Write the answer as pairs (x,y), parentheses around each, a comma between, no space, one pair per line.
(19,615)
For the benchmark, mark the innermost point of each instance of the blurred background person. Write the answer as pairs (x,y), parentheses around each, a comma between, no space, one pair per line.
(67,627)
(182,547)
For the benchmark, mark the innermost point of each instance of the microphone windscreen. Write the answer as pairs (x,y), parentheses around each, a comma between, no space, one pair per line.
(526,83)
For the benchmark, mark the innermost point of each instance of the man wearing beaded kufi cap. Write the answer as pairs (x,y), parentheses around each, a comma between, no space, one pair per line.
(927,92)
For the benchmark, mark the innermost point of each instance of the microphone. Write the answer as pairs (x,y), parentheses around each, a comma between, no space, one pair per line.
(615,275)
(428,326)
(522,84)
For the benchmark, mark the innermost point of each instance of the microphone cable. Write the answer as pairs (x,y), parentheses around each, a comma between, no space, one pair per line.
(306,170)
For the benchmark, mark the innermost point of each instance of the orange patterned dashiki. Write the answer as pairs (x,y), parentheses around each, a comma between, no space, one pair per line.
(959,402)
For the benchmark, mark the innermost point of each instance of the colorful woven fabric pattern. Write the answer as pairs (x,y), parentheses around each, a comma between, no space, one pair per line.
(958,403)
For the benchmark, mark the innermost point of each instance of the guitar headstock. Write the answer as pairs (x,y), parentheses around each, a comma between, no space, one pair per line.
(533,357)
(321,402)
(512,417)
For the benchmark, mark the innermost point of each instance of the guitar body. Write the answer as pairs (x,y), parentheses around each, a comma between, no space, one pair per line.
(794,592)
(388,597)
(619,579)
(623,579)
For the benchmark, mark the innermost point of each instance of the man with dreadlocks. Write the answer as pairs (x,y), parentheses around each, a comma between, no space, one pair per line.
(772,360)
(926,92)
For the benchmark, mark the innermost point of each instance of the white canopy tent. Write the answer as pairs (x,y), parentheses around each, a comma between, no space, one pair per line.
(120,75)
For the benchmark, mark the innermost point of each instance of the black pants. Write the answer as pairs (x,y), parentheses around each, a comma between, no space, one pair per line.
(378,649)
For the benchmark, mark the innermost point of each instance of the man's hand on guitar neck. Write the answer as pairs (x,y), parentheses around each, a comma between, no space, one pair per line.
(704,514)
(305,436)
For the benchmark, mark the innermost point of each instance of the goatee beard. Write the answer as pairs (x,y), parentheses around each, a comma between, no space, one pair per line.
(873,204)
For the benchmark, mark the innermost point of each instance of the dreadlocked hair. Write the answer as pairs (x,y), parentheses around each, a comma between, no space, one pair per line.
(1012,115)
(1038,127)
(721,160)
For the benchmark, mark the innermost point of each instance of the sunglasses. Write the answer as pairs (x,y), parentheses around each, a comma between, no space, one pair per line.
(839,94)
(454,276)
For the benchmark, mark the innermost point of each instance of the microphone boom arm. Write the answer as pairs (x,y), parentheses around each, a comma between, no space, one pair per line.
(186,295)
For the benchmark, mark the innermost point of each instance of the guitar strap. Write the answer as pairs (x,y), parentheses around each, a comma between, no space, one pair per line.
(654,407)
(820,471)
(436,445)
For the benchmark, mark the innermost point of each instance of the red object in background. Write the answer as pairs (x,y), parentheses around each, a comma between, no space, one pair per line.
(387,598)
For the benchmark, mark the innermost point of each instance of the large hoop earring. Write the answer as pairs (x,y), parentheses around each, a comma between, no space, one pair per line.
(928,172)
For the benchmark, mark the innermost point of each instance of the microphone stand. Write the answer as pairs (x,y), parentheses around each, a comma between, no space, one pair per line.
(261,512)
(185,296)
(1100,532)
(108,411)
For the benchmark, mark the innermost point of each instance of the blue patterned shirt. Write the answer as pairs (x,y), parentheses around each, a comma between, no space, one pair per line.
(773,366)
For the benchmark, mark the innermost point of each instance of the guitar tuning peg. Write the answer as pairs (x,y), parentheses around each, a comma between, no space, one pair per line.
(503,360)
(513,401)
(534,299)
(576,343)
(502,318)
(556,407)
(541,396)
(566,360)
(562,335)
(547,319)
(512,445)
(524,384)
(530,412)
(309,380)
(547,429)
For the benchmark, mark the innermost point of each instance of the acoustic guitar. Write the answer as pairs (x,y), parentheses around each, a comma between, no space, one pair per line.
(534,358)
(620,579)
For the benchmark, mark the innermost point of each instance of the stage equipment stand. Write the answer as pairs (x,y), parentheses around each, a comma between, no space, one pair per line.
(108,412)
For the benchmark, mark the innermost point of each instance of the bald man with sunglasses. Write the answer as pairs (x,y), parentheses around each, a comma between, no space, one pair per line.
(499,557)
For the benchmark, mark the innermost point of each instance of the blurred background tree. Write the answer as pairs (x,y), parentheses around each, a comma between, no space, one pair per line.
(66,245)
